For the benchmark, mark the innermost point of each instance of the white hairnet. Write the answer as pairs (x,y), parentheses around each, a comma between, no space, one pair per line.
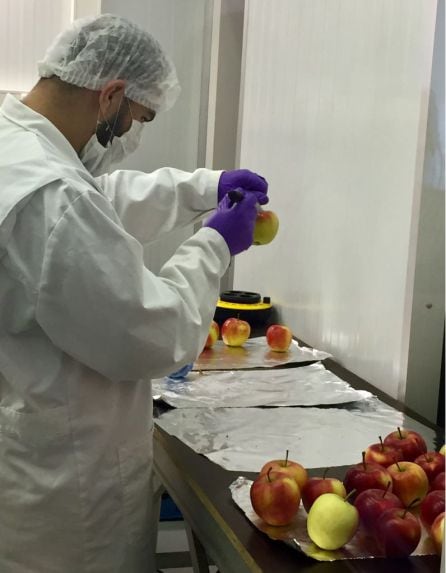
(94,51)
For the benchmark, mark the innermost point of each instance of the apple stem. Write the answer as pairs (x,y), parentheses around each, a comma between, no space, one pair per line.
(399,432)
(387,488)
(286,457)
(267,475)
(398,466)
(350,495)
(325,473)
(411,504)
(363,460)
(381,441)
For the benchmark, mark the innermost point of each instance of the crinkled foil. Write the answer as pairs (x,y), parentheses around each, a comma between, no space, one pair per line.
(242,439)
(311,385)
(255,353)
(359,547)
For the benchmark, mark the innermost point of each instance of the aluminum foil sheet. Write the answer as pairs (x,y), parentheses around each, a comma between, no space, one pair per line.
(359,547)
(243,439)
(311,385)
(255,353)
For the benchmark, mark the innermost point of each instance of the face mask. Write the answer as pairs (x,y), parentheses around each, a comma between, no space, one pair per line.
(98,159)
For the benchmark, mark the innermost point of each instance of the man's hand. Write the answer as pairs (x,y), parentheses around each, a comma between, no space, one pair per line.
(246,180)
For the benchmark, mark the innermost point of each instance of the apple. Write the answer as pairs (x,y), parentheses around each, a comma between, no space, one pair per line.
(279,337)
(383,455)
(409,482)
(214,332)
(316,486)
(332,521)
(438,482)
(409,442)
(275,497)
(398,532)
(371,503)
(235,332)
(437,532)
(288,467)
(432,463)
(442,449)
(365,475)
(431,506)
(265,227)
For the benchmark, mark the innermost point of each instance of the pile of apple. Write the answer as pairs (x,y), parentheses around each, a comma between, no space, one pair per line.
(379,493)
(235,332)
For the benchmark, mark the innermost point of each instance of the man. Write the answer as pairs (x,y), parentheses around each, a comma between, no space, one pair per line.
(83,324)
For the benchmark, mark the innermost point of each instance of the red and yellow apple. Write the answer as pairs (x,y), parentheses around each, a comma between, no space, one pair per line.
(409,482)
(317,486)
(371,503)
(437,532)
(275,497)
(442,449)
(214,331)
(432,463)
(266,227)
(288,467)
(398,532)
(409,442)
(279,337)
(383,455)
(235,332)
(367,475)
(431,506)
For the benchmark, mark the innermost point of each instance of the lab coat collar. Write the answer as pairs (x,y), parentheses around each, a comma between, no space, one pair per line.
(19,113)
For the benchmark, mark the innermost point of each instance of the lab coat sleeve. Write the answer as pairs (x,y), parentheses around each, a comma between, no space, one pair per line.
(100,305)
(152,204)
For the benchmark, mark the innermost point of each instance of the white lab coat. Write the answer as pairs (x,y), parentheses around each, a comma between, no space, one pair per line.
(83,327)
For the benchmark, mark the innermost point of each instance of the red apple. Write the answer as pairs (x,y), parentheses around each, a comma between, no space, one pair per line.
(398,532)
(275,497)
(432,463)
(214,331)
(365,475)
(279,337)
(437,532)
(383,455)
(439,482)
(235,332)
(409,442)
(316,486)
(431,506)
(371,503)
(288,467)
(409,482)
(265,228)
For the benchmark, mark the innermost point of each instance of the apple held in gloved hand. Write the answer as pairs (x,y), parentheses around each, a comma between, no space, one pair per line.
(266,227)
(235,332)
(332,521)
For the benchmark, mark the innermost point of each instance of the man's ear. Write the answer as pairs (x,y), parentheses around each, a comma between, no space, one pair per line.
(110,96)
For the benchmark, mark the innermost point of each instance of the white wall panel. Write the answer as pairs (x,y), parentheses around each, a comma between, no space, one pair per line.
(334,107)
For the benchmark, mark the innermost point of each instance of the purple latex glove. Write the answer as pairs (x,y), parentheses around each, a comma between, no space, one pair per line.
(235,221)
(246,180)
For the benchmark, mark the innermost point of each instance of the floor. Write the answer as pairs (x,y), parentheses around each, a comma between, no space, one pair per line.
(171,538)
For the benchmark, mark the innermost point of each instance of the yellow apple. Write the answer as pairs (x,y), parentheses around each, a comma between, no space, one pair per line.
(332,521)
(266,227)
(442,449)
